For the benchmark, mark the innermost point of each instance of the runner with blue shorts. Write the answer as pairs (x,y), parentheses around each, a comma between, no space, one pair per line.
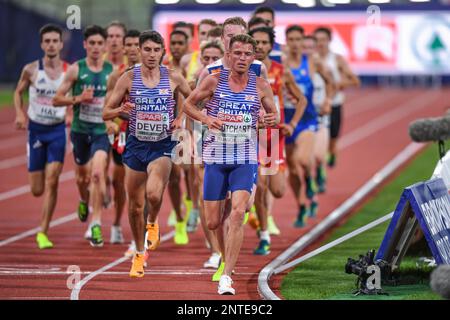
(149,146)
(46,127)
(300,145)
(229,149)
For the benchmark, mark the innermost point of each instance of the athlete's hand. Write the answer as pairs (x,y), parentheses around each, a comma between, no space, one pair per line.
(326,107)
(69,119)
(270,119)
(177,123)
(214,123)
(286,129)
(125,108)
(20,121)
(111,127)
(87,95)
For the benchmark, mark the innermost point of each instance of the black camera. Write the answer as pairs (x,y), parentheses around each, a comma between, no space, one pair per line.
(368,272)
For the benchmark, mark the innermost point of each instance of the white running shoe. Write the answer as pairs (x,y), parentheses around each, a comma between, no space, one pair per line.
(88,234)
(116,234)
(225,287)
(213,262)
(131,250)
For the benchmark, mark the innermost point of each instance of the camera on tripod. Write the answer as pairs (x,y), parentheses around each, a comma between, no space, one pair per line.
(369,273)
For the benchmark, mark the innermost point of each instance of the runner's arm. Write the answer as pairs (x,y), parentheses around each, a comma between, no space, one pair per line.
(203,91)
(114,106)
(112,80)
(348,77)
(264,73)
(22,85)
(203,74)
(61,99)
(330,85)
(300,105)
(271,117)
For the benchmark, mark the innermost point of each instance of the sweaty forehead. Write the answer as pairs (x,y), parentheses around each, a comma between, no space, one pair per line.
(151,44)
(96,38)
(234,29)
(242,46)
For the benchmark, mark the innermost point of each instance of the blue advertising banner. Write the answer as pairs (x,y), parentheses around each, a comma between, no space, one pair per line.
(428,204)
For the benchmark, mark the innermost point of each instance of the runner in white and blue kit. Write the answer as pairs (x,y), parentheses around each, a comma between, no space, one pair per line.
(46,126)
(148,150)
(229,151)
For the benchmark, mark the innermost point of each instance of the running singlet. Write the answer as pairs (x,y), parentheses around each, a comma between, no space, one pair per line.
(275,78)
(193,66)
(304,82)
(332,64)
(217,66)
(236,143)
(153,114)
(87,116)
(41,92)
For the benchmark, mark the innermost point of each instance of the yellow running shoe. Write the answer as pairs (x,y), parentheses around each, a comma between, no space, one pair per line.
(216,276)
(245,218)
(172,220)
(272,227)
(152,236)
(137,268)
(181,236)
(188,207)
(42,241)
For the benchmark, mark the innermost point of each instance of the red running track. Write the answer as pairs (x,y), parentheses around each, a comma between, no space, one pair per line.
(375,130)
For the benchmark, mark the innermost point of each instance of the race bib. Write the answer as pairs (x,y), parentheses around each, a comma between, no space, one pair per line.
(92,112)
(47,115)
(152,126)
(237,128)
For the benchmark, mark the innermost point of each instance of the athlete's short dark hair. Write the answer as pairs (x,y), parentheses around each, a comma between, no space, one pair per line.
(132,33)
(256,20)
(182,33)
(295,27)
(153,36)
(183,24)
(93,30)
(117,23)
(263,9)
(50,28)
(212,44)
(267,30)
(244,38)
(325,30)
(215,32)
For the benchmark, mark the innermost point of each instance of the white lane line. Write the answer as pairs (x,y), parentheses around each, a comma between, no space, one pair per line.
(75,294)
(33,231)
(13,162)
(388,118)
(112,273)
(26,188)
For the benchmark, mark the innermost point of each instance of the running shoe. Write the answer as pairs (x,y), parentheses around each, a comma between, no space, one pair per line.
(331,160)
(213,262)
(43,241)
(311,188)
(192,222)
(225,287)
(131,250)
(272,227)
(263,248)
(116,235)
(321,178)
(172,219)
(96,236)
(152,236)
(301,218)
(216,276)
(181,236)
(253,220)
(83,211)
(314,207)
(187,206)
(137,268)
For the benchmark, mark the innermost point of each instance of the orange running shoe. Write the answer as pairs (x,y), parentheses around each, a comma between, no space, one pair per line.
(152,236)
(253,220)
(137,268)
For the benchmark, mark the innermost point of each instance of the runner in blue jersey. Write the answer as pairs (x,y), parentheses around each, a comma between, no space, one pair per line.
(148,149)
(300,145)
(230,145)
